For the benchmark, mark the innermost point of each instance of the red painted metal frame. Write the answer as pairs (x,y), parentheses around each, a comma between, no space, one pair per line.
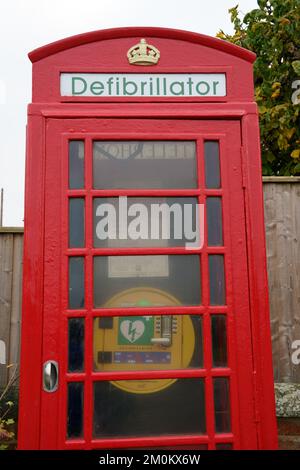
(56,343)
(117,33)
(99,52)
(45,250)
(32,304)
(258,286)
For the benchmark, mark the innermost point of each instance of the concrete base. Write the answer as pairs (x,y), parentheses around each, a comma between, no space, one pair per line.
(287,400)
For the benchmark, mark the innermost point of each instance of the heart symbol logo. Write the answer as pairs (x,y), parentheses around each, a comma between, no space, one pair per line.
(132,330)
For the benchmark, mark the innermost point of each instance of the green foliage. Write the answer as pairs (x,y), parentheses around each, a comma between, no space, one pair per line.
(8,411)
(5,424)
(272,32)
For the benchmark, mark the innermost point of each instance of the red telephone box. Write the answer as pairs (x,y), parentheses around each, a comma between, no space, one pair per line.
(144,342)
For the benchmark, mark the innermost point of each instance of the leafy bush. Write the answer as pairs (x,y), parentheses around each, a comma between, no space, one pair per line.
(272,31)
(8,411)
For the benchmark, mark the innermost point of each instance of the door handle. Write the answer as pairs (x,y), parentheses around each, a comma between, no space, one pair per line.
(50,376)
(166,332)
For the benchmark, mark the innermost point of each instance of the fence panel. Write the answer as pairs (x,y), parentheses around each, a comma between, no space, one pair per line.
(282,221)
(11,256)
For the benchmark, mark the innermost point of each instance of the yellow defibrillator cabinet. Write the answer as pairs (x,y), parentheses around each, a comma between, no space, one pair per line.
(143,342)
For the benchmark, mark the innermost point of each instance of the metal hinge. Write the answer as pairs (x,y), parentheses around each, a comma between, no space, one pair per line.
(244,170)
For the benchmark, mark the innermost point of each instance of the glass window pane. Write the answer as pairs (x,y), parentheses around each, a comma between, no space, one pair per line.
(76,282)
(152,407)
(224,446)
(214,221)
(219,340)
(76,344)
(146,281)
(76,222)
(75,410)
(157,342)
(144,164)
(222,404)
(212,164)
(76,164)
(148,222)
(216,279)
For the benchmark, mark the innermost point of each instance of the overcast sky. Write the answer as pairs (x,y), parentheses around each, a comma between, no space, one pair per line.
(28,24)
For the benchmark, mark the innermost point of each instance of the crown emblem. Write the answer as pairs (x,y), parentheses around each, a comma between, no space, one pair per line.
(143,54)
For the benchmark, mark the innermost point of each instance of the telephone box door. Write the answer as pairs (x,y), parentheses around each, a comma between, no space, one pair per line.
(146,336)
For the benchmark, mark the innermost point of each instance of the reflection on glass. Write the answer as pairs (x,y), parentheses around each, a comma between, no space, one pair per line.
(76,282)
(224,446)
(219,340)
(216,279)
(75,410)
(214,221)
(76,164)
(212,164)
(222,404)
(148,342)
(144,164)
(146,280)
(76,344)
(175,408)
(150,222)
(76,222)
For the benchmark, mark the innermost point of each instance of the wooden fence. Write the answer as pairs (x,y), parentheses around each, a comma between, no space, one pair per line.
(282,220)
(11,256)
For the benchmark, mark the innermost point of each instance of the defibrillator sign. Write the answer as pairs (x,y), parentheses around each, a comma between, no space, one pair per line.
(137,330)
(143,85)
